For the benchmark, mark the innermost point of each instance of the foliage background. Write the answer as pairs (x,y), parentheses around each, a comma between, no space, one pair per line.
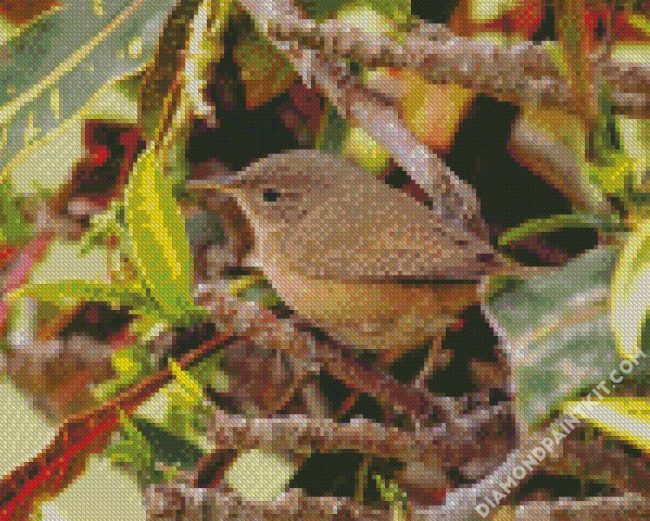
(82,153)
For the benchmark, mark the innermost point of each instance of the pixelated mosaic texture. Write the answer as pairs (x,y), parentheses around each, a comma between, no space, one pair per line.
(324,259)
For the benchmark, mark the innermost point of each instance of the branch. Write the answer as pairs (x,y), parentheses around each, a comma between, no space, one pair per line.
(182,503)
(629,506)
(65,456)
(267,331)
(597,459)
(461,503)
(450,445)
(550,158)
(523,73)
(453,200)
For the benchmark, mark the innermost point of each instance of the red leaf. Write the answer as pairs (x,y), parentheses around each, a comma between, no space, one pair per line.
(23,11)
(6,253)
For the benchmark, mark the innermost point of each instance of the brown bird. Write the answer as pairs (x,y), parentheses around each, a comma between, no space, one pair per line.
(364,262)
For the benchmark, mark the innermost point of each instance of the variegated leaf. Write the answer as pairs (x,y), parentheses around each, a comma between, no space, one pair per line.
(556,331)
(49,72)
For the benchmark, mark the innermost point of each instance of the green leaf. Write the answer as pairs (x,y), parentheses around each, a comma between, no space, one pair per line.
(615,174)
(134,449)
(167,447)
(205,46)
(333,132)
(611,168)
(558,222)
(556,330)
(367,152)
(148,325)
(159,243)
(630,295)
(184,417)
(13,227)
(182,412)
(255,288)
(635,138)
(187,383)
(605,131)
(68,292)
(389,491)
(59,62)
(337,137)
(130,364)
(104,226)
(265,71)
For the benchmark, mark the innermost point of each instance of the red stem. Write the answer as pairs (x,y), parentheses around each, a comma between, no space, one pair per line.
(21,271)
(21,487)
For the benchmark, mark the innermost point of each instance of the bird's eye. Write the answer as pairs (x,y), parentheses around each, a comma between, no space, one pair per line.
(270,196)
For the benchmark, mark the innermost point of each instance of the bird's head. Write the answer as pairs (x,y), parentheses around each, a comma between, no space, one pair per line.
(280,189)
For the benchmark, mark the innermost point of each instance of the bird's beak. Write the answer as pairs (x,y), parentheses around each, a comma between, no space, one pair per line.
(226,184)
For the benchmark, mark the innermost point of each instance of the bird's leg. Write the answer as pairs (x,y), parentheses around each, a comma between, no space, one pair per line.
(437,358)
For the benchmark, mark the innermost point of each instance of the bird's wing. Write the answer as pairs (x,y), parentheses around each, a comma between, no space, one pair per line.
(388,237)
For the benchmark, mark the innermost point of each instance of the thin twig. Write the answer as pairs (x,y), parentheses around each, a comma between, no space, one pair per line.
(452,199)
(436,358)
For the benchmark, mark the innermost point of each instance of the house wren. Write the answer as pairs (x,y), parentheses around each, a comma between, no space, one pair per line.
(364,262)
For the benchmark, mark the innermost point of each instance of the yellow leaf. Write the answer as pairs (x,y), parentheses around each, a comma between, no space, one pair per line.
(124,363)
(485,10)
(433,112)
(640,22)
(625,418)
(158,239)
(365,150)
(187,382)
(630,294)
(612,177)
